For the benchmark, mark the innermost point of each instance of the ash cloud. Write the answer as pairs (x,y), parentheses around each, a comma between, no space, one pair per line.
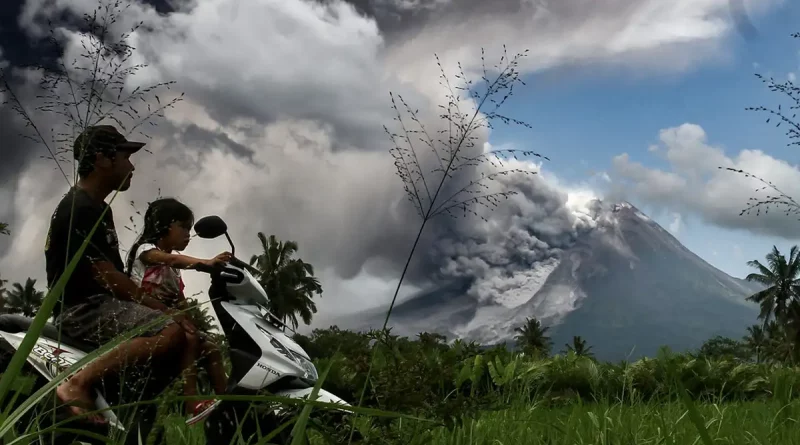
(509,256)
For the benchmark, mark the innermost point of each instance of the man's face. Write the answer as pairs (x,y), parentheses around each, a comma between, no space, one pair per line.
(122,171)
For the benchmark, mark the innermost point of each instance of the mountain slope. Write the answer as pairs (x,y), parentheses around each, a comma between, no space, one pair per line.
(627,287)
(666,295)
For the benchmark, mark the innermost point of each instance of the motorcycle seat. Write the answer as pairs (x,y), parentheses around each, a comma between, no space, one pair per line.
(14,324)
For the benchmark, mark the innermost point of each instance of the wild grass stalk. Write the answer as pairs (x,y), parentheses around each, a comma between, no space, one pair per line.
(452,181)
(781,116)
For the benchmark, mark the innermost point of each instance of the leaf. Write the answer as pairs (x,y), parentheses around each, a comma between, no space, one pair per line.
(496,376)
(463,375)
(299,429)
(510,371)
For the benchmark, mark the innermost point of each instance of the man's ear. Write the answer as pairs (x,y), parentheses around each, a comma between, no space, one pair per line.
(101,161)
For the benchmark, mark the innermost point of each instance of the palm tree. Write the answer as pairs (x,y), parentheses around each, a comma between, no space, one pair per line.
(432,340)
(199,314)
(781,279)
(24,300)
(532,337)
(758,341)
(779,343)
(289,282)
(2,295)
(579,347)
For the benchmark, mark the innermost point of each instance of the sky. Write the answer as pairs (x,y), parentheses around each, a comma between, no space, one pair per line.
(595,115)
(280,128)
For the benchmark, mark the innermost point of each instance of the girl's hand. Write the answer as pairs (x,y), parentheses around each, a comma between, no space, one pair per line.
(219,260)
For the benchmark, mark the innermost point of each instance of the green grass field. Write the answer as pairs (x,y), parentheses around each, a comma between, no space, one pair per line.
(732,403)
(750,423)
(746,423)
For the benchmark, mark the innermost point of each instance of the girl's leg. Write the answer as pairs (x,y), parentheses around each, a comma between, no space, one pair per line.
(189,367)
(215,367)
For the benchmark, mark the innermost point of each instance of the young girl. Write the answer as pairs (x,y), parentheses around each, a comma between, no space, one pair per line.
(154,267)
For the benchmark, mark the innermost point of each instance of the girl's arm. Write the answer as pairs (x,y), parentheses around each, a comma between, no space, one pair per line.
(154,257)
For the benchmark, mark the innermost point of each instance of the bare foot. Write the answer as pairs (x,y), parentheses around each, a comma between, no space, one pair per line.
(79,401)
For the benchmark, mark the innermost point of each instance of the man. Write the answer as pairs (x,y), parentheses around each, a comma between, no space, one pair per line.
(100,301)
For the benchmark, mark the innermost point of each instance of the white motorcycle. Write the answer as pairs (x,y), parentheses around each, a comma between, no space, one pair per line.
(263,359)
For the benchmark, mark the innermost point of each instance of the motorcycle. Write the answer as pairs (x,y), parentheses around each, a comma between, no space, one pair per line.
(263,359)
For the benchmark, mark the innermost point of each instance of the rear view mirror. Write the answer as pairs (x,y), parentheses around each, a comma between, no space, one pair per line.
(210,227)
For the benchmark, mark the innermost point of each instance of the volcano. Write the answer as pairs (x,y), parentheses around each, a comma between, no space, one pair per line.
(627,287)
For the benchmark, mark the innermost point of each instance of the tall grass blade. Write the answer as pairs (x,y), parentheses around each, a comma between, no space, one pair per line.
(299,430)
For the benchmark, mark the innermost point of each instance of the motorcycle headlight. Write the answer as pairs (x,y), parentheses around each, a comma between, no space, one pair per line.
(308,367)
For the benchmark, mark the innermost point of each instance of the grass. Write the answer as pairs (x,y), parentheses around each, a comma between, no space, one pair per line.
(745,423)
(554,407)
(533,423)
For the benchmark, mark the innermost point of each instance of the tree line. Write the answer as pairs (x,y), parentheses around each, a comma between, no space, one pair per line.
(288,281)
(291,286)
(776,339)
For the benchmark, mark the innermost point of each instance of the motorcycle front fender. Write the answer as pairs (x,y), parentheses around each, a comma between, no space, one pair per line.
(322,396)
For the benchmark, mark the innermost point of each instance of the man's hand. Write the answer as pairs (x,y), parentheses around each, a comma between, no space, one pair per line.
(183,320)
(122,287)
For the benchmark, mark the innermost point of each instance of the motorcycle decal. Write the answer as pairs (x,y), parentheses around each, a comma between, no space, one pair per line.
(278,345)
(267,368)
(52,357)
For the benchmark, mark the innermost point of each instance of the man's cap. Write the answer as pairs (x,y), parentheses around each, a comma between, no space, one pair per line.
(105,139)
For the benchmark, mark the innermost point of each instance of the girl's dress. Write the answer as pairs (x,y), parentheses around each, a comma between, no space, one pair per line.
(165,284)
(160,281)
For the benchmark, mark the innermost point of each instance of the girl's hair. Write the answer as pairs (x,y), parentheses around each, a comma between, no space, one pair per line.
(158,218)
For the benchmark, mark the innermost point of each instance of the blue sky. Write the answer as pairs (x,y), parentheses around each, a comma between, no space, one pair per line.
(583,119)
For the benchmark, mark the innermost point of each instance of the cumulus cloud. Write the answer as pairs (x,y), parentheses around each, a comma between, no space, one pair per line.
(652,34)
(280,130)
(694,182)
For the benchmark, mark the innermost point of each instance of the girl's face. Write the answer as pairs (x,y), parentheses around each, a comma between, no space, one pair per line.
(178,236)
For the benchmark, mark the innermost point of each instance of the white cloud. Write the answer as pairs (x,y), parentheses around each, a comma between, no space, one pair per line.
(791,77)
(695,183)
(653,34)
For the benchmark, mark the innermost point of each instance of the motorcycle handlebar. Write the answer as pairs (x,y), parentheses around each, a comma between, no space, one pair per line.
(207,269)
(223,270)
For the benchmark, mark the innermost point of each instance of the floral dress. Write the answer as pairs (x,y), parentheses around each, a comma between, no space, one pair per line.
(159,281)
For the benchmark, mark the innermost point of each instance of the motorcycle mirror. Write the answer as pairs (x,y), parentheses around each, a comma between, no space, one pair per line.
(210,227)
